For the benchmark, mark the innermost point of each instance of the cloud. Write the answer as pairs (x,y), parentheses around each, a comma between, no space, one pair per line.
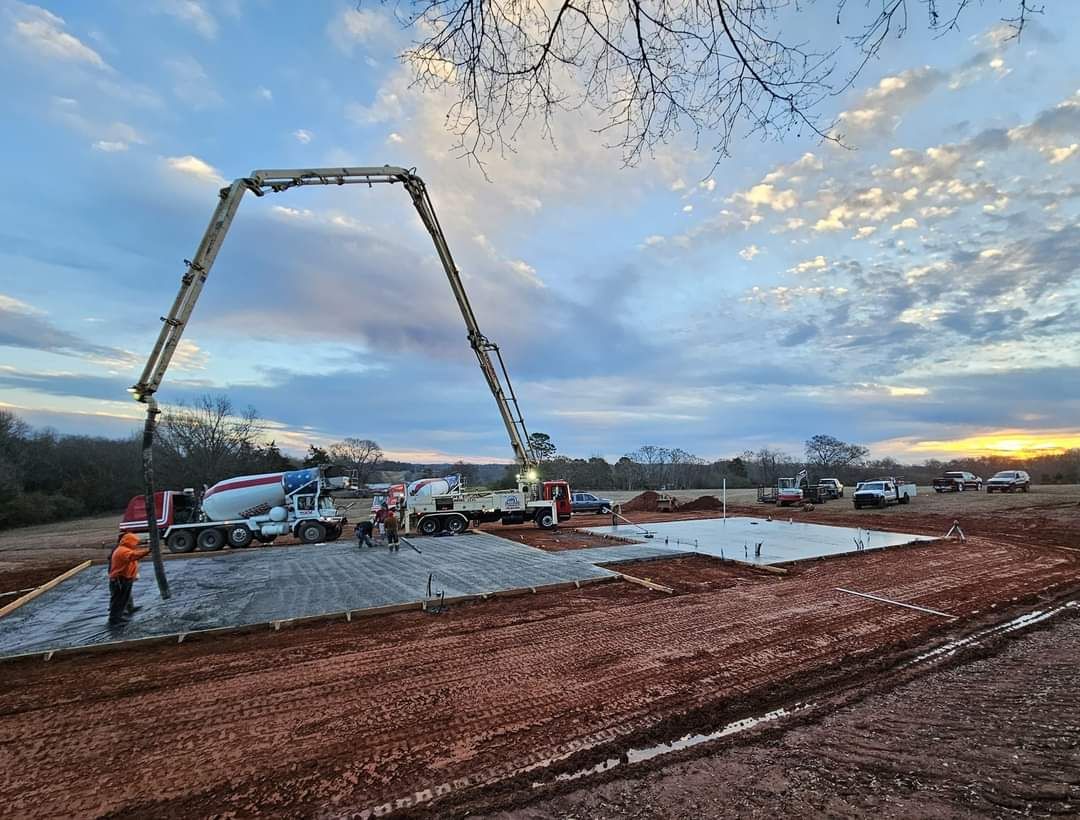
(360,27)
(878,110)
(265,94)
(1061,154)
(806,165)
(834,220)
(192,166)
(115,136)
(817,263)
(765,194)
(905,224)
(303,136)
(189,357)
(385,107)
(24,326)
(749,252)
(44,33)
(191,84)
(192,14)
(800,334)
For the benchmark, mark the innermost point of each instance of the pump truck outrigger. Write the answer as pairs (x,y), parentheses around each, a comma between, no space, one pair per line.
(545,502)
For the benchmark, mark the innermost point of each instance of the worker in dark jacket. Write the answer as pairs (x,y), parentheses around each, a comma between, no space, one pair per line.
(363,534)
(123,570)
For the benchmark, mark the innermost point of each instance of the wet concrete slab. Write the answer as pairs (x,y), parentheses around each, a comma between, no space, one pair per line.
(257,586)
(738,537)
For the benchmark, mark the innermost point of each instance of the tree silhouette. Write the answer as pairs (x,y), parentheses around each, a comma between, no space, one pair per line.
(652,68)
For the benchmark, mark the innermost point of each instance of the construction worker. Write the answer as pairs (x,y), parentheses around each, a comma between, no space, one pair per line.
(391,524)
(363,534)
(123,570)
(380,519)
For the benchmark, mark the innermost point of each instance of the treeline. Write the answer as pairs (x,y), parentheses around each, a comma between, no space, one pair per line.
(656,468)
(46,476)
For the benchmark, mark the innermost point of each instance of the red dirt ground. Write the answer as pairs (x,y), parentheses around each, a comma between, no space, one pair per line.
(346,718)
(694,573)
(997,736)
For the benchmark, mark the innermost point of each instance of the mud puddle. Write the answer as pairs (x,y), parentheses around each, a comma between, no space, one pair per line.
(640,755)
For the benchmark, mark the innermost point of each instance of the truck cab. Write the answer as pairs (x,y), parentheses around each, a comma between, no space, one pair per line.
(559,492)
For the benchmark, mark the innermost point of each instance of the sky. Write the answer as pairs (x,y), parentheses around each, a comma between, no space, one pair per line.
(915,290)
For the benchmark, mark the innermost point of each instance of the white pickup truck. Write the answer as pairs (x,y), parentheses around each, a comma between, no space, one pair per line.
(882,492)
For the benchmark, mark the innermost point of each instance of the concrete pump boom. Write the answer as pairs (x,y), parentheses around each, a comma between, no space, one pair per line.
(198,268)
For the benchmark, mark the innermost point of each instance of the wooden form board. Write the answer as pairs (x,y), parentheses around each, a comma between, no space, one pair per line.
(18,602)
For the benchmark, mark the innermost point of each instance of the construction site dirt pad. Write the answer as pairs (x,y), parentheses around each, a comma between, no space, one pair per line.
(995,737)
(414,710)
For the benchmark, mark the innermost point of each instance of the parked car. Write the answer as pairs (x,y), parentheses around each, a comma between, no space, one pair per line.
(957,481)
(589,503)
(1009,481)
(833,487)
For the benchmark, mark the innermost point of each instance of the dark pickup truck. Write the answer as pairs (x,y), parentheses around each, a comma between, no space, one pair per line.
(957,481)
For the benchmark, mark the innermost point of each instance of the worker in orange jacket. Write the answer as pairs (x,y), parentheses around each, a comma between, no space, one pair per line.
(123,570)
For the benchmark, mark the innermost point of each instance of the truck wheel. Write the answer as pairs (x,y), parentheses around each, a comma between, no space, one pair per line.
(210,540)
(429,525)
(456,524)
(1024,489)
(180,541)
(906,499)
(240,536)
(333,533)
(311,533)
(882,503)
(545,520)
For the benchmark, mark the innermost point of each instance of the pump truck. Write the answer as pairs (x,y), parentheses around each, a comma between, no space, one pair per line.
(544,502)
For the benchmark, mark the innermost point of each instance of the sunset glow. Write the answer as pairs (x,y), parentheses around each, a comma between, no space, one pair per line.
(1014,443)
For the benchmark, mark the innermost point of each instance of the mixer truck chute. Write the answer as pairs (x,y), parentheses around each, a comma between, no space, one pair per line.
(248,508)
(533,494)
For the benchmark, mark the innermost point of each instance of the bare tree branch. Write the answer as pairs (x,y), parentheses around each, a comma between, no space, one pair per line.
(649,68)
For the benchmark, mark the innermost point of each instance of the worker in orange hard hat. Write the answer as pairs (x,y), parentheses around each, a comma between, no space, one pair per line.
(123,570)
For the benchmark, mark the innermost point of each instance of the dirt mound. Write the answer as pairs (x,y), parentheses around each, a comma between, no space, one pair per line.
(705,502)
(646,502)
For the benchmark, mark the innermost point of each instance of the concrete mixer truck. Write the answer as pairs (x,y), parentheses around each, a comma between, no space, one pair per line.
(433,505)
(243,509)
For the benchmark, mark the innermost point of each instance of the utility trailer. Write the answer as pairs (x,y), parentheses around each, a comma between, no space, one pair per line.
(795,490)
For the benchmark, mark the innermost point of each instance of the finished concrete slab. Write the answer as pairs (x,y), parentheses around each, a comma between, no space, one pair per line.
(781,540)
(258,586)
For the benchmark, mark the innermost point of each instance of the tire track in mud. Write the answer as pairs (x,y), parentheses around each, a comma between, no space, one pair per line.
(356,716)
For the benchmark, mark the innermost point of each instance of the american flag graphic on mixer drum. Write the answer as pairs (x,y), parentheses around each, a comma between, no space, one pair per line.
(296,479)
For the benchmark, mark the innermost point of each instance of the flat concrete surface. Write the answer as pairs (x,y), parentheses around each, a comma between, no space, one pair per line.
(781,540)
(625,553)
(246,587)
